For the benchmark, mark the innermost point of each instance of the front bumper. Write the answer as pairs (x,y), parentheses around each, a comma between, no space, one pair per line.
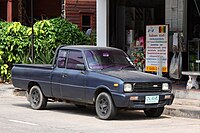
(124,100)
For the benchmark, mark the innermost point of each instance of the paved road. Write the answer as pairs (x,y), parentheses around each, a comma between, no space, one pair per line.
(16,116)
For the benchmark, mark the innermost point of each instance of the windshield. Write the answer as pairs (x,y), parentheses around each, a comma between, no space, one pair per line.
(103,59)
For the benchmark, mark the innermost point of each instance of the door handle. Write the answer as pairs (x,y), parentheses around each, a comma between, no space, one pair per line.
(64,75)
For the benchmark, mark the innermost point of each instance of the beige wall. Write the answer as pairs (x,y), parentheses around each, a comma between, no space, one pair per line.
(174,14)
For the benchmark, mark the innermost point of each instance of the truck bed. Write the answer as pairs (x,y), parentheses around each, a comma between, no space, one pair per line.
(25,74)
(43,66)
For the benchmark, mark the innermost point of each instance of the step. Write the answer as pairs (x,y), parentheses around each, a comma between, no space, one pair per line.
(187,94)
(6,86)
(186,102)
(19,92)
(182,111)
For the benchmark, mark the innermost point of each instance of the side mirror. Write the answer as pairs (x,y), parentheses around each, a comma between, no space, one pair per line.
(80,66)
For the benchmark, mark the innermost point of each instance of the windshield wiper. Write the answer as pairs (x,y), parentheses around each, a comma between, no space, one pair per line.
(110,66)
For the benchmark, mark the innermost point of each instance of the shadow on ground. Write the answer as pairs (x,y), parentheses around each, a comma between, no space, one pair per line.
(90,111)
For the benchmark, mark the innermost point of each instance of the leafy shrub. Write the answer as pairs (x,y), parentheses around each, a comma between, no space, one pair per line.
(49,34)
(15,42)
(68,33)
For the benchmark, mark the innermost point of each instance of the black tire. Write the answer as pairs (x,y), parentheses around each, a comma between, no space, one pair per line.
(37,99)
(104,106)
(154,112)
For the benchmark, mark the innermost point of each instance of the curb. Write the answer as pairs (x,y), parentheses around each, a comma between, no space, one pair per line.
(183,111)
(186,104)
(6,86)
(16,91)
(187,94)
(19,92)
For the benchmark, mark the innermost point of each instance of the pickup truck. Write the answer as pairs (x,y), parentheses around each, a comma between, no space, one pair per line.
(103,77)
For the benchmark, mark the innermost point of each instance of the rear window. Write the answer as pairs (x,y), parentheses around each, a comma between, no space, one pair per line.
(61,61)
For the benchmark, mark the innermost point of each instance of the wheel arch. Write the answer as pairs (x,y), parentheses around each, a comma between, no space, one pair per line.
(100,90)
(31,84)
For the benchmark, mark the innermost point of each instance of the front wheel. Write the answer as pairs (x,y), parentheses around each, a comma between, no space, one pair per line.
(104,106)
(37,99)
(154,112)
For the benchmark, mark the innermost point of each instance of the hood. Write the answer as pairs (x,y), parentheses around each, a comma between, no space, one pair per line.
(135,76)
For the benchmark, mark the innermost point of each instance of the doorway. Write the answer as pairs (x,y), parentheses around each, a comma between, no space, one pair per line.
(128,20)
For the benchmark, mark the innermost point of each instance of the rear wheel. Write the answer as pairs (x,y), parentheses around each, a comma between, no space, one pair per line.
(37,99)
(154,112)
(104,106)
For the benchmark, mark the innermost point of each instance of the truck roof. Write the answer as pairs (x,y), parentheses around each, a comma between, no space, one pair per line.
(87,47)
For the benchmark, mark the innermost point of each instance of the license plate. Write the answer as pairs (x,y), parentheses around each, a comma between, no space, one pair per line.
(151,99)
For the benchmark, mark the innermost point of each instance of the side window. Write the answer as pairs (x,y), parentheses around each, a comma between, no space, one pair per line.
(74,58)
(61,60)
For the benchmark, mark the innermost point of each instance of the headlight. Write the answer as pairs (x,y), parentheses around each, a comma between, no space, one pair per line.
(128,88)
(165,86)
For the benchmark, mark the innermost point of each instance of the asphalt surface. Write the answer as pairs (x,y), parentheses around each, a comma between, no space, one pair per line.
(16,116)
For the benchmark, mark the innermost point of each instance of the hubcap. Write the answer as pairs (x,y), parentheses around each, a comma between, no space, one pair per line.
(35,97)
(103,106)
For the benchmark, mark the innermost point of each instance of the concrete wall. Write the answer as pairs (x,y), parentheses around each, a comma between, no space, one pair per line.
(174,14)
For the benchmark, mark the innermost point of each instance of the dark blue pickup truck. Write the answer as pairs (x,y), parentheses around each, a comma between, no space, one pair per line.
(88,75)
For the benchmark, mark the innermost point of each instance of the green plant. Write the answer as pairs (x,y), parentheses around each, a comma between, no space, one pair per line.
(1,60)
(15,42)
(94,37)
(49,34)
(1,53)
(68,33)
(5,71)
(45,58)
(138,57)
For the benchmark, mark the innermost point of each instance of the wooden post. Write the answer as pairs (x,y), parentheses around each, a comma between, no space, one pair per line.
(9,11)
(22,11)
(32,35)
(20,8)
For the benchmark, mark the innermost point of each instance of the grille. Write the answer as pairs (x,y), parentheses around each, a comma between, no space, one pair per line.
(147,87)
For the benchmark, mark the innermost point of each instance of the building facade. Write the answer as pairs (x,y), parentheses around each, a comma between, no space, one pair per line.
(118,19)
(20,10)
(80,12)
(118,23)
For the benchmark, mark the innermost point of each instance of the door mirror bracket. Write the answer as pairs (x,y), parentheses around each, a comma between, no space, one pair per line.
(80,67)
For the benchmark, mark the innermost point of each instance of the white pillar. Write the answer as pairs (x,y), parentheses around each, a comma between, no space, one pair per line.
(102,23)
(63,9)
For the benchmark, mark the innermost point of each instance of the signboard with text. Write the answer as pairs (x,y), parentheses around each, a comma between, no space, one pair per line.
(156,47)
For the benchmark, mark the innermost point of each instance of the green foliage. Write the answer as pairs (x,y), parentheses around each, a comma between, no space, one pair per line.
(49,34)
(94,37)
(5,71)
(15,42)
(44,41)
(68,33)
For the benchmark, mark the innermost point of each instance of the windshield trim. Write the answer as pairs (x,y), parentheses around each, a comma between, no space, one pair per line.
(105,59)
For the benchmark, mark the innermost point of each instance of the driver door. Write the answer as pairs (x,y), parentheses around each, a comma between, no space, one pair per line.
(73,80)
